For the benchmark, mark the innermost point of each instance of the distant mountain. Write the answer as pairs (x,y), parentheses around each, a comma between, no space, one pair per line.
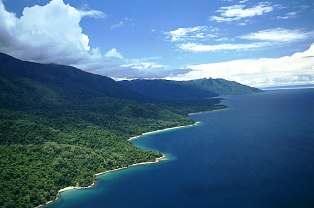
(221,86)
(32,83)
(165,90)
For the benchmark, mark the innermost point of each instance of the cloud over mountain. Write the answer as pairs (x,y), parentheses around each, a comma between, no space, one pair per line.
(226,39)
(263,72)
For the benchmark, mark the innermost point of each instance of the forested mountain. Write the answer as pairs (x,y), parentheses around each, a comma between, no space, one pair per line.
(166,90)
(34,83)
(60,125)
(221,86)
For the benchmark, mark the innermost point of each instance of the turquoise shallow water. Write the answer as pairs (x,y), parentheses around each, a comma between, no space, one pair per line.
(257,153)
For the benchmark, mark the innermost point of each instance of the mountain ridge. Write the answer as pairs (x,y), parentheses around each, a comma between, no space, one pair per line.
(72,81)
(169,90)
(68,81)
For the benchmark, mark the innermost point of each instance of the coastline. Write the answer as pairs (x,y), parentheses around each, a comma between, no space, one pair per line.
(161,130)
(210,111)
(157,160)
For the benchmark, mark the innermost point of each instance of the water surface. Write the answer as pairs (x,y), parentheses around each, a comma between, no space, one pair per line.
(257,153)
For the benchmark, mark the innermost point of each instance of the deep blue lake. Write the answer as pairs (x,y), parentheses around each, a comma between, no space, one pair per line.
(257,153)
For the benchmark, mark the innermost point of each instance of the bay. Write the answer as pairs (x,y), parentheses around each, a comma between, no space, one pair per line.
(257,153)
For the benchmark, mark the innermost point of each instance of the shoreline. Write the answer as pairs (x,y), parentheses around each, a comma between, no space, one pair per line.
(157,160)
(210,111)
(161,130)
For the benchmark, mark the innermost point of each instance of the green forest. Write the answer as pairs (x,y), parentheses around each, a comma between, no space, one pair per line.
(60,126)
(44,150)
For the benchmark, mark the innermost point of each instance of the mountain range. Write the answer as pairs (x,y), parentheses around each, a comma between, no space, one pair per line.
(56,83)
(167,90)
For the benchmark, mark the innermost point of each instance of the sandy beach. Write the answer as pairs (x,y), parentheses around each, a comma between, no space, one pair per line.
(162,130)
(210,111)
(117,169)
(99,174)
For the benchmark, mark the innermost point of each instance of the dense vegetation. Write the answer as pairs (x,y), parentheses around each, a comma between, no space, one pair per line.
(44,151)
(60,126)
(163,90)
(221,86)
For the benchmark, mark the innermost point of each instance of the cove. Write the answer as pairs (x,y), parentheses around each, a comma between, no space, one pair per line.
(257,153)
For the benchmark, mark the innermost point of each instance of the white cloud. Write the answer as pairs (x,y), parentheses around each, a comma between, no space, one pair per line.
(52,34)
(263,72)
(191,33)
(224,39)
(293,14)
(262,39)
(243,1)
(290,15)
(196,47)
(92,13)
(121,23)
(114,53)
(238,12)
(278,35)
(49,33)
(146,69)
(144,65)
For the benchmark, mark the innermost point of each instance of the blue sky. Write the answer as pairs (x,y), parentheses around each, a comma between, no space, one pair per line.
(259,43)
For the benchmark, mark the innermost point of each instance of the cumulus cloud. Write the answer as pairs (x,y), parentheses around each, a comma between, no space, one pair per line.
(238,12)
(114,53)
(49,33)
(52,34)
(196,47)
(263,72)
(191,33)
(278,35)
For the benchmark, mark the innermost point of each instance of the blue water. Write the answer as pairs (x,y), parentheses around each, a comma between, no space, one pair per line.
(257,153)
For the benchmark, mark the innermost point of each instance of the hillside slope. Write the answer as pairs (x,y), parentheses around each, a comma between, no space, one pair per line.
(55,83)
(60,125)
(166,90)
(221,86)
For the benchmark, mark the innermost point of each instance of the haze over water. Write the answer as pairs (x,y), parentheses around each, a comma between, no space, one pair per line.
(257,153)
